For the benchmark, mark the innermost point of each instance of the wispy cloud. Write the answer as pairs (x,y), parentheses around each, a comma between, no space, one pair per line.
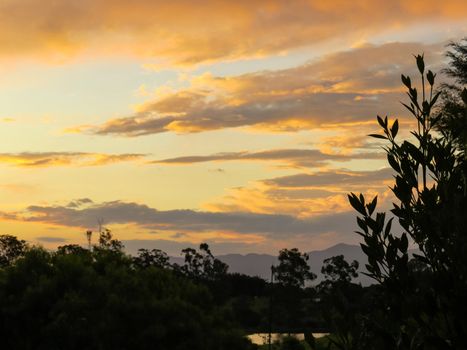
(48,239)
(51,159)
(340,178)
(285,157)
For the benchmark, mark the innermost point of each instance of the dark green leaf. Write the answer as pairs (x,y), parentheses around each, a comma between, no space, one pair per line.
(435,98)
(395,128)
(406,81)
(393,163)
(356,204)
(368,252)
(464,96)
(377,136)
(380,122)
(361,223)
(420,63)
(410,108)
(371,206)
(430,77)
(404,243)
(388,227)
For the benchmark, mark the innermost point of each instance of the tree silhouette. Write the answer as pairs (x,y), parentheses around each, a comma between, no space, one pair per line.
(453,121)
(337,270)
(293,269)
(153,257)
(74,299)
(431,192)
(11,248)
(202,264)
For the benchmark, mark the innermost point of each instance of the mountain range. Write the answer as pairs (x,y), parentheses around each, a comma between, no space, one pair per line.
(260,264)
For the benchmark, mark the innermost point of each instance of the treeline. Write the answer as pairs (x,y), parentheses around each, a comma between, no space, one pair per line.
(75,298)
(102,298)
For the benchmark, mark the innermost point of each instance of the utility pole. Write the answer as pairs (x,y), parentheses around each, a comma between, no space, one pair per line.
(270,307)
(100,224)
(89,236)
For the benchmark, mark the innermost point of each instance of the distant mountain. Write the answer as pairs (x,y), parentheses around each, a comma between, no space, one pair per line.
(350,252)
(260,264)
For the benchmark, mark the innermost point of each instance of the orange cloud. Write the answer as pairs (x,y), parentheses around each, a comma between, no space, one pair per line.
(305,195)
(186,32)
(49,159)
(345,88)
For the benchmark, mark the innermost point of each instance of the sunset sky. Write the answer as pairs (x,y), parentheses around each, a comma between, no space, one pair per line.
(239,123)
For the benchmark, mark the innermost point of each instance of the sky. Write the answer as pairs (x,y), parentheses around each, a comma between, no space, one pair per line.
(239,123)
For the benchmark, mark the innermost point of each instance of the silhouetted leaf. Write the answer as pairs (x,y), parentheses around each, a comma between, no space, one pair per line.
(406,81)
(380,121)
(371,206)
(420,63)
(404,243)
(388,227)
(377,136)
(430,77)
(395,128)
(393,163)
(356,204)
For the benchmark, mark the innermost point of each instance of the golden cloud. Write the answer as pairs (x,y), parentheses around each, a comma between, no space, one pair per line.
(51,159)
(186,32)
(345,88)
(305,195)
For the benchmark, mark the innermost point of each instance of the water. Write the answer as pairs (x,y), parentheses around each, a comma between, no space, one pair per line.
(263,338)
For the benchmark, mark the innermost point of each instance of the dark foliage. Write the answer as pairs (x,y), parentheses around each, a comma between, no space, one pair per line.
(79,299)
(453,118)
(337,270)
(421,304)
(11,248)
(293,269)
(202,265)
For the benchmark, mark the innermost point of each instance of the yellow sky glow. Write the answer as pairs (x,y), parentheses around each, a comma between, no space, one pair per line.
(242,123)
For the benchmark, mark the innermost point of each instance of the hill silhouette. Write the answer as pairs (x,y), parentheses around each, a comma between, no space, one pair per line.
(260,264)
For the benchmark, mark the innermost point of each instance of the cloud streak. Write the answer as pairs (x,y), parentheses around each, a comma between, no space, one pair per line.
(289,157)
(270,225)
(340,178)
(54,159)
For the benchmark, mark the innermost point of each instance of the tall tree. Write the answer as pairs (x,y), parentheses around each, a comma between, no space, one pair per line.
(453,121)
(202,264)
(340,301)
(293,269)
(431,192)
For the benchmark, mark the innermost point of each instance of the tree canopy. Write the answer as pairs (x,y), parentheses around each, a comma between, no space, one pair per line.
(293,269)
